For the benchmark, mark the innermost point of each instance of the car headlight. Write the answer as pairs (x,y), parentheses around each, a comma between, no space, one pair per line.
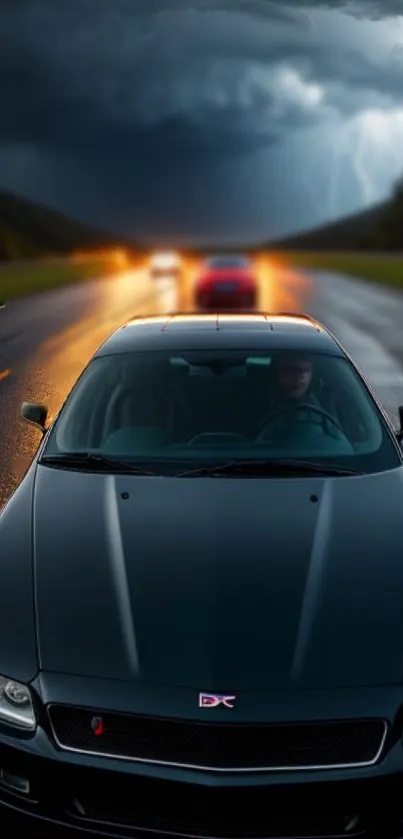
(16,706)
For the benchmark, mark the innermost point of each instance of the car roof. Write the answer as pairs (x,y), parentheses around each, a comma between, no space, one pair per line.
(257,331)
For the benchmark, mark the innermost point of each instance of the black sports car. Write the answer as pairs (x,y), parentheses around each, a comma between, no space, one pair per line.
(201,593)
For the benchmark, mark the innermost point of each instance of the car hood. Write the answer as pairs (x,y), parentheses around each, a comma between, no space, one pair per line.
(220,584)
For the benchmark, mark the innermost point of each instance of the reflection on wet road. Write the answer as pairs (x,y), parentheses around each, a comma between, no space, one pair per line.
(368,320)
(45,343)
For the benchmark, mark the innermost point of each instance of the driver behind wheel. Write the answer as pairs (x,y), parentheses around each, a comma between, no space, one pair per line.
(294,378)
(295,383)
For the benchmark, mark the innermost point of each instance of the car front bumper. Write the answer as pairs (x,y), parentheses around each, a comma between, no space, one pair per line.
(165,273)
(73,793)
(76,797)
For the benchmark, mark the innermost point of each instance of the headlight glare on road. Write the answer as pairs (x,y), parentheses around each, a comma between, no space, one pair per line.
(16,707)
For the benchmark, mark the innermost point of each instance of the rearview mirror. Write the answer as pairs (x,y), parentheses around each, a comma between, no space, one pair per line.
(35,414)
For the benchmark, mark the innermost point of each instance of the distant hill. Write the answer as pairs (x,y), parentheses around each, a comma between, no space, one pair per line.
(367,230)
(378,229)
(29,230)
(361,230)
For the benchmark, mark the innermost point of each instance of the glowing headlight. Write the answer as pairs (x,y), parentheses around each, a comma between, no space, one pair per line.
(16,705)
(165,261)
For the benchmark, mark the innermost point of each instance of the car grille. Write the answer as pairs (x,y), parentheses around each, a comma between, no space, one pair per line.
(231,747)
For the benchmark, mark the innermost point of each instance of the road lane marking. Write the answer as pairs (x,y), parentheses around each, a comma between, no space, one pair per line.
(4,374)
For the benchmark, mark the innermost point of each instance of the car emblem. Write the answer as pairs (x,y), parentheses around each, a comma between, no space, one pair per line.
(213,700)
(97,725)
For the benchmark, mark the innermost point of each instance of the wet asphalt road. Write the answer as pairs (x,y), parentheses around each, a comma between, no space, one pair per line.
(45,342)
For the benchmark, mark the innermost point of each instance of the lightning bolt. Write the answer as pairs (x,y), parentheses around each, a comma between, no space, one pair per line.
(378,140)
(364,179)
(371,143)
(337,153)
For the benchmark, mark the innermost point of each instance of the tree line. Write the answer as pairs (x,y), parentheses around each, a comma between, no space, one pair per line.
(387,234)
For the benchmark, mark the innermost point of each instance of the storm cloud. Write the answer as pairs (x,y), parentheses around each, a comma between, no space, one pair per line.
(140,90)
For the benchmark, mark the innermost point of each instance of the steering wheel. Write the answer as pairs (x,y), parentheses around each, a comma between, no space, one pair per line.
(305,406)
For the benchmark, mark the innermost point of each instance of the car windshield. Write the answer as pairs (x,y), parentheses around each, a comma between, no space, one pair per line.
(205,407)
(228,262)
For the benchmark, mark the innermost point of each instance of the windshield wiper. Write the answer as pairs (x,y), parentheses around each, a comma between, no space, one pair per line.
(95,462)
(265,468)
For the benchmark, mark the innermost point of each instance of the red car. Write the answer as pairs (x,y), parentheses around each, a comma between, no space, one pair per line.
(226,285)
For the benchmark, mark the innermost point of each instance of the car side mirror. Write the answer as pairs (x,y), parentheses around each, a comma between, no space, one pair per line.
(399,432)
(35,414)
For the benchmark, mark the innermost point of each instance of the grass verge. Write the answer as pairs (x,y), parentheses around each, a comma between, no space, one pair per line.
(386,269)
(23,280)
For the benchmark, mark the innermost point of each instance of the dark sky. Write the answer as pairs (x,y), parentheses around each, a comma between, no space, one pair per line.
(201,119)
